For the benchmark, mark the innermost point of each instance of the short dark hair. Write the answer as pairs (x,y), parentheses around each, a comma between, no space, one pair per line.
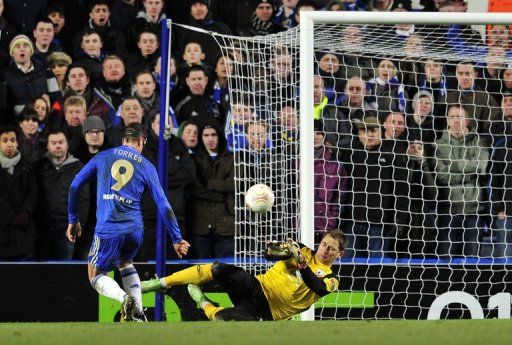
(89,32)
(76,65)
(97,3)
(56,131)
(145,71)
(8,129)
(147,31)
(339,236)
(134,131)
(196,68)
(28,113)
(45,20)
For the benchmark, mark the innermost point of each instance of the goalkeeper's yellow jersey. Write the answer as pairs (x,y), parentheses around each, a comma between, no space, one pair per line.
(286,293)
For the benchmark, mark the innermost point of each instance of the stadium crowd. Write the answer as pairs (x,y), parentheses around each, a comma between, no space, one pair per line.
(411,154)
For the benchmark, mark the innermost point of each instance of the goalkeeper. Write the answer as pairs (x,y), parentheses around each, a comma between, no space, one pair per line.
(299,278)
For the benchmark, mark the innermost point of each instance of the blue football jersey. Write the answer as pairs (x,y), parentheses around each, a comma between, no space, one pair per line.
(123,175)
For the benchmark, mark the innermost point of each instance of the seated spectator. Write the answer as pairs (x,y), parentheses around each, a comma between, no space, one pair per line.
(395,132)
(387,89)
(198,106)
(354,103)
(90,54)
(213,223)
(18,200)
(54,174)
(501,128)
(262,20)
(145,92)
(26,80)
(31,143)
(58,63)
(144,57)
(331,185)
(114,42)
(114,86)
(480,105)
(131,112)
(461,157)
(44,43)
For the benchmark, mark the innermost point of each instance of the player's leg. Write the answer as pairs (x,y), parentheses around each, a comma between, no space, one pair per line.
(210,308)
(197,275)
(129,275)
(101,259)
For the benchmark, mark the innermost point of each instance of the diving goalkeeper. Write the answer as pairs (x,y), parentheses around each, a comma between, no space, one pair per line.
(299,278)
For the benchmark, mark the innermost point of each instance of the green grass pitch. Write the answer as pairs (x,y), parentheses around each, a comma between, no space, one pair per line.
(487,332)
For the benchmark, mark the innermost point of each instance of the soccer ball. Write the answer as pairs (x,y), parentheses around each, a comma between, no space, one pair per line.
(259,198)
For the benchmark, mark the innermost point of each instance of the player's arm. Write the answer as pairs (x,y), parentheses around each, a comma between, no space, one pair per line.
(83,176)
(165,210)
(320,285)
(277,251)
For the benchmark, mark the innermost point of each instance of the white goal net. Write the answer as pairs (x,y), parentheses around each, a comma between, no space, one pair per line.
(411,156)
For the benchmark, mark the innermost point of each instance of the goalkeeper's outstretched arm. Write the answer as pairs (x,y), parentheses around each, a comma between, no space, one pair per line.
(276,251)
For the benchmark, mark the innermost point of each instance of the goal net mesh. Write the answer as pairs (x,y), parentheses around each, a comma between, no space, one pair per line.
(411,158)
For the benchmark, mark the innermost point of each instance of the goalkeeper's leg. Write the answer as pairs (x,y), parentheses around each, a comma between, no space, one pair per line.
(196,275)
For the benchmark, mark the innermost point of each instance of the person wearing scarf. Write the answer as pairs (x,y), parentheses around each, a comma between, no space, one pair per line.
(18,198)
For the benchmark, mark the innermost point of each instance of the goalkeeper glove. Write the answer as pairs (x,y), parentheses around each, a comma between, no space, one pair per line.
(277,251)
(296,253)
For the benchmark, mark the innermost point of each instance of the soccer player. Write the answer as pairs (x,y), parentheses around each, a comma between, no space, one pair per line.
(292,285)
(122,176)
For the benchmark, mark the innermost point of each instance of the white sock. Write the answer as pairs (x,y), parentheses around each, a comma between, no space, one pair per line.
(108,287)
(163,283)
(131,283)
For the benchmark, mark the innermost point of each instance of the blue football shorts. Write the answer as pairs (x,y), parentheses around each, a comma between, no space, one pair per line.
(107,254)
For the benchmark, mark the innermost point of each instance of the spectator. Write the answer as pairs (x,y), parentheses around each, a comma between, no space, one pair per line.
(421,120)
(461,156)
(303,5)
(389,5)
(281,82)
(57,16)
(369,164)
(242,112)
(23,14)
(213,223)
(114,86)
(198,105)
(75,112)
(123,14)
(287,129)
(144,58)
(262,20)
(481,106)
(30,142)
(354,103)
(147,20)
(200,17)
(188,132)
(145,92)
(54,174)
(223,68)
(501,129)
(330,185)
(182,174)
(113,39)
(501,198)
(395,132)
(7,33)
(329,70)
(411,67)
(44,44)
(131,112)
(90,54)
(192,55)
(18,199)
(94,141)
(26,80)
(387,89)
(58,63)
(434,81)
(285,14)
(46,121)
(352,63)
(337,126)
